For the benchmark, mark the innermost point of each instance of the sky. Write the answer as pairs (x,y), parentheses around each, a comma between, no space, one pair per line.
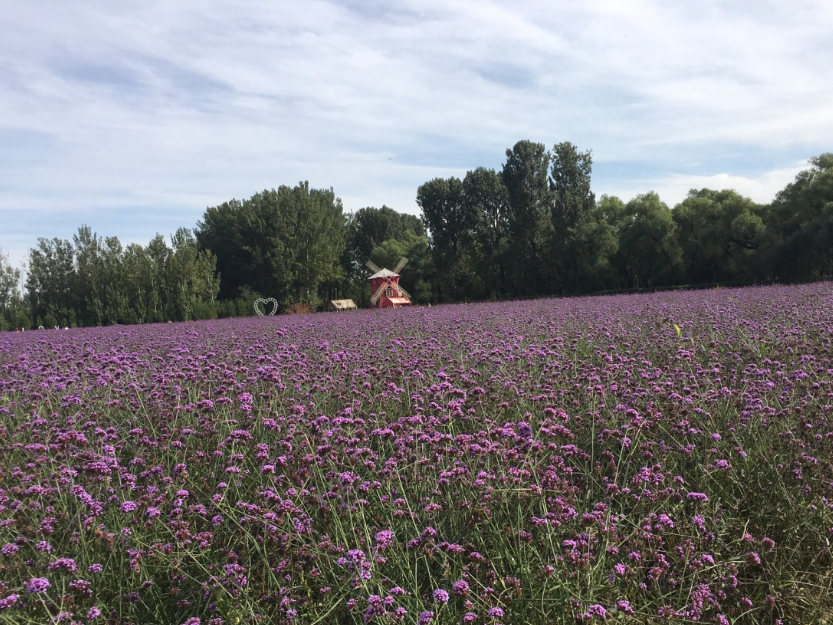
(133,117)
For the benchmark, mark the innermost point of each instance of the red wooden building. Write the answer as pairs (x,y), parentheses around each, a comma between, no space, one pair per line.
(385,291)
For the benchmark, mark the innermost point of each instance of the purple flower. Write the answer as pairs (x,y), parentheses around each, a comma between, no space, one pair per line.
(246,398)
(624,606)
(425,617)
(128,506)
(697,497)
(356,555)
(37,585)
(752,558)
(595,611)
(384,538)
(194,620)
(8,601)
(375,608)
(440,596)
(67,564)
(524,429)
(9,550)
(81,587)
(495,612)
(460,587)
(95,568)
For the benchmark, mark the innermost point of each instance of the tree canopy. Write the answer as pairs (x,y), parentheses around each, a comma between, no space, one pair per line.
(287,243)
(95,281)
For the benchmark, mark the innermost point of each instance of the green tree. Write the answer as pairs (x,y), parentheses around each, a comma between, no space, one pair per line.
(487,200)
(648,253)
(369,227)
(116,300)
(9,294)
(190,277)
(137,278)
(595,247)
(240,235)
(719,233)
(450,221)
(89,277)
(270,240)
(157,253)
(445,213)
(51,282)
(286,243)
(319,239)
(524,175)
(800,225)
(106,290)
(572,203)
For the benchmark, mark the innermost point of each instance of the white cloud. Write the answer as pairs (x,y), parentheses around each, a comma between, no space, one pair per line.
(106,107)
(673,189)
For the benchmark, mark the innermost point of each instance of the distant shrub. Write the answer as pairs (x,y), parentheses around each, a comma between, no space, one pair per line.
(205,310)
(299,309)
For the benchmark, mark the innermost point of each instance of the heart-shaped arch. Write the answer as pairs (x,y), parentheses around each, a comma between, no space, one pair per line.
(270,300)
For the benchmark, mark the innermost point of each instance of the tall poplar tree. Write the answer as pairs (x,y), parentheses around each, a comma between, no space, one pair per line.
(9,295)
(449,220)
(572,203)
(524,175)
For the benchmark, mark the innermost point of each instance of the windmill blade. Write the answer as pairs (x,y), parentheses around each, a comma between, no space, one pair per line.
(402,262)
(378,293)
(373,266)
(404,292)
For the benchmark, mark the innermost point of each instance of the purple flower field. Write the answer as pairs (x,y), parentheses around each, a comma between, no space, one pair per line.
(661,458)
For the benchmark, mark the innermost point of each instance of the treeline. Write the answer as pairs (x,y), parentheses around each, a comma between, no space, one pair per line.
(298,246)
(533,228)
(93,281)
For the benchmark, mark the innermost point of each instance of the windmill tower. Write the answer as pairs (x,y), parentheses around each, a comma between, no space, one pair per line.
(384,286)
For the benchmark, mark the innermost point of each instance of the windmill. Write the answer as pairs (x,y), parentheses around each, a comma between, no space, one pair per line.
(384,286)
